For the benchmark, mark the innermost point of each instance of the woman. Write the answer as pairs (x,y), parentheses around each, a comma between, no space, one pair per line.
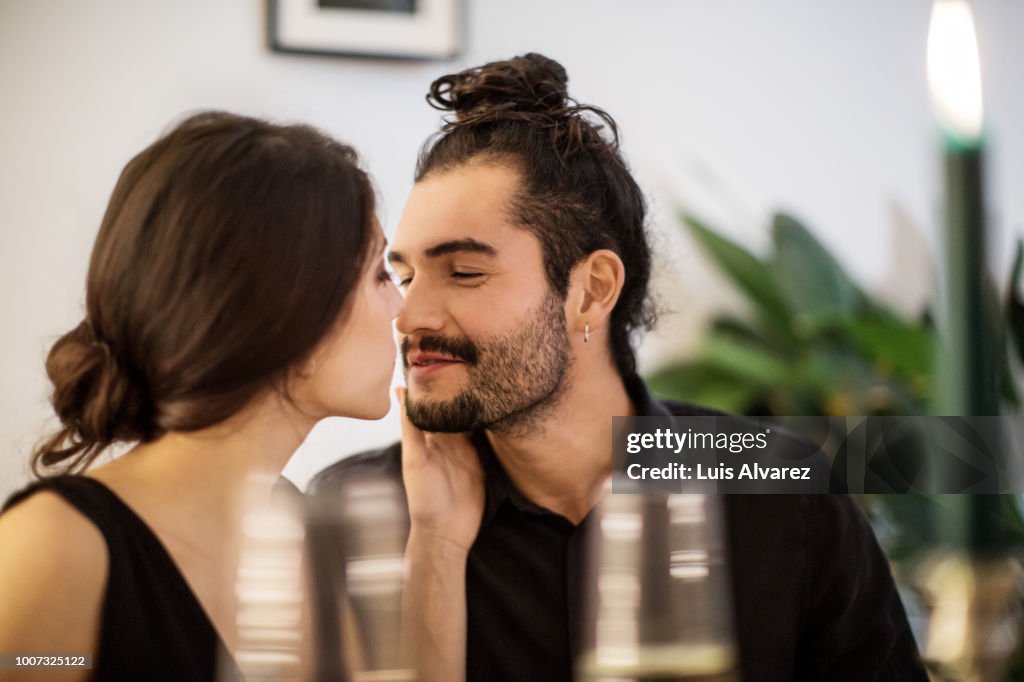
(236,295)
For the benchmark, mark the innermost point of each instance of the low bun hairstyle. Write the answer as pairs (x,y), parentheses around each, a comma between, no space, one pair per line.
(229,249)
(576,192)
(96,401)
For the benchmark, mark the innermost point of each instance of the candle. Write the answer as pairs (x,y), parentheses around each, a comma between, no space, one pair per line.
(954,73)
(969,361)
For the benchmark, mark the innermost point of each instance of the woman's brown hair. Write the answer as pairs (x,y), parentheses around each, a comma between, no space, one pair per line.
(229,248)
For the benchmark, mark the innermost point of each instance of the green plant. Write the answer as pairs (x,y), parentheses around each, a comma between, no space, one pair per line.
(814,343)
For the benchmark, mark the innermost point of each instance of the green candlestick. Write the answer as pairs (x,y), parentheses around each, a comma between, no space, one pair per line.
(972,334)
(969,359)
(969,367)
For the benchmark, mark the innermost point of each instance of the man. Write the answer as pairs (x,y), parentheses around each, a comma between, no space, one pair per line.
(525,266)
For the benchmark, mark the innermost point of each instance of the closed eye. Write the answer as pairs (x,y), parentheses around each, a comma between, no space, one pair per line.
(466,275)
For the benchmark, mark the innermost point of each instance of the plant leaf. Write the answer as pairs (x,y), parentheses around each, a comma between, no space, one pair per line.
(744,361)
(698,383)
(893,345)
(815,286)
(736,328)
(750,274)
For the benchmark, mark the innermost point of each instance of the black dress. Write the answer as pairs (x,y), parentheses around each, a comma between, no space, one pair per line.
(153,627)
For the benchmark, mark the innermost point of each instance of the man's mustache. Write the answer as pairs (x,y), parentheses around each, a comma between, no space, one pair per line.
(459,348)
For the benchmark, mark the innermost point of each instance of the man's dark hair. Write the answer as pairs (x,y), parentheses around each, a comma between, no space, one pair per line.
(577,194)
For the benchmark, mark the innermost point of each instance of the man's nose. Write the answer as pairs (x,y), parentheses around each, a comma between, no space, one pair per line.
(423,312)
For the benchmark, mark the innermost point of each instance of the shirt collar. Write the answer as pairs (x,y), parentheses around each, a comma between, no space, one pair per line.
(497,485)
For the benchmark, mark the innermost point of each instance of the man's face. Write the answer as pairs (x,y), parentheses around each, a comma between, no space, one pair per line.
(484,341)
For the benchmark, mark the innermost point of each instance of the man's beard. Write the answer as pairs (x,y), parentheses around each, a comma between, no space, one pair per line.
(514,380)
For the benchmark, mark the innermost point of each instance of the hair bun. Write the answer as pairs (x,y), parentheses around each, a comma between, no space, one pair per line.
(96,402)
(512,88)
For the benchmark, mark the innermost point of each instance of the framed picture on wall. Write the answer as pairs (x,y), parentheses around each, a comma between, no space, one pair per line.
(407,29)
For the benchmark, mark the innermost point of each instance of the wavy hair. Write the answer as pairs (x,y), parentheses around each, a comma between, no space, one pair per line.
(576,192)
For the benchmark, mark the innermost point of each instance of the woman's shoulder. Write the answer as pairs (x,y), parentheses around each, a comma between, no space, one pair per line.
(53,574)
(40,520)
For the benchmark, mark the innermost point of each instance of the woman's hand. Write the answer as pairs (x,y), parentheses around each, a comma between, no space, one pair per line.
(444,483)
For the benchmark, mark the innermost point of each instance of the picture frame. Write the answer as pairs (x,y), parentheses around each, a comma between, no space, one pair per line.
(396,29)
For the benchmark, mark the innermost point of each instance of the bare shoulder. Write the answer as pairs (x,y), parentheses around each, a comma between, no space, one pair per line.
(53,572)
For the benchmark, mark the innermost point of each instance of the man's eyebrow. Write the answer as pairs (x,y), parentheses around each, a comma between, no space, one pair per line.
(453,246)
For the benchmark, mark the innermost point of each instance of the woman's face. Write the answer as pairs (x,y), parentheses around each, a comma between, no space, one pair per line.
(349,374)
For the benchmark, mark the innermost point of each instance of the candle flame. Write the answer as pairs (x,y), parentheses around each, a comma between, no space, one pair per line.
(954,69)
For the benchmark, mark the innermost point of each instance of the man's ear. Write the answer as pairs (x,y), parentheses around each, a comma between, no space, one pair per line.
(596,284)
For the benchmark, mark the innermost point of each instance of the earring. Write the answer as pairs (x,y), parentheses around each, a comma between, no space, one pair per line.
(586,332)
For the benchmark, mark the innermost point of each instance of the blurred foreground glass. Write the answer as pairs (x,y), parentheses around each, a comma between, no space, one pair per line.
(658,588)
(357,536)
(267,587)
(317,583)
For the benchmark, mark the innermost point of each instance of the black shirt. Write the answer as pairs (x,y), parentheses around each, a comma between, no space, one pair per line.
(152,626)
(813,596)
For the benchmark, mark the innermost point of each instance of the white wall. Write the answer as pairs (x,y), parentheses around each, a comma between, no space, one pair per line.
(735,107)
